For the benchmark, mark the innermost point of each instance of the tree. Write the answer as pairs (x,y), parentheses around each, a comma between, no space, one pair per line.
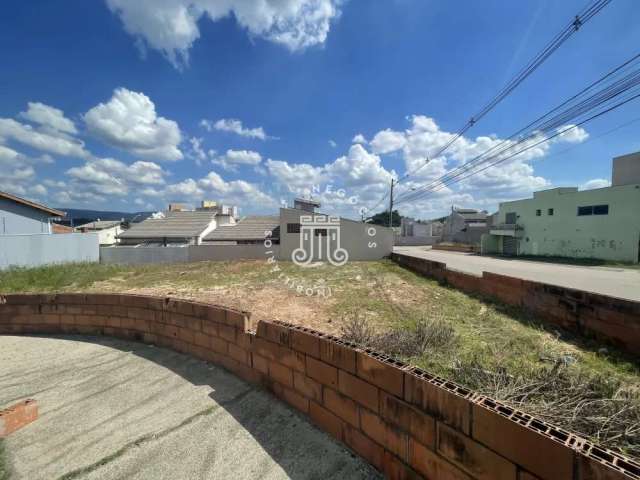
(383,218)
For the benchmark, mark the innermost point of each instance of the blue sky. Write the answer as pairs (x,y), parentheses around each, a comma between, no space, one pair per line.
(112,104)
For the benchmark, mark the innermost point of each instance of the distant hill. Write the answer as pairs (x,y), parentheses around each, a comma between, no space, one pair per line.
(80,216)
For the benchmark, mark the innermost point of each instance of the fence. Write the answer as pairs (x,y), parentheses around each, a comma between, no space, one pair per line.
(400,241)
(404,421)
(45,249)
(610,319)
(190,253)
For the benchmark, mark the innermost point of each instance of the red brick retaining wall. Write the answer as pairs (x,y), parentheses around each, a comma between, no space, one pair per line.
(609,319)
(456,248)
(405,421)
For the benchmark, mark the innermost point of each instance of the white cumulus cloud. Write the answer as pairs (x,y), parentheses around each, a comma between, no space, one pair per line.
(595,183)
(232,159)
(55,142)
(172,26)
(233,125)
(129,121)
(387,141)
(49,117)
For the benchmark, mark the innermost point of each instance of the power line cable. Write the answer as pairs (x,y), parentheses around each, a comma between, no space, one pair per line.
(543,122)
(586,14)
(551,127)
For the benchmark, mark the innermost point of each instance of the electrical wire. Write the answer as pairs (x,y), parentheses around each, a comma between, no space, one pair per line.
(620,87)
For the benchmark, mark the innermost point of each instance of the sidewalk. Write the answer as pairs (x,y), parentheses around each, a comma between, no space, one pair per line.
(613,281)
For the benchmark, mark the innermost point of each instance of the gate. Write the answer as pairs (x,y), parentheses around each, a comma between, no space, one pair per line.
(510,245)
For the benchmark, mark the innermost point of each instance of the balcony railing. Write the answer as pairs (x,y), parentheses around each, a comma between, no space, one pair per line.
(508,229)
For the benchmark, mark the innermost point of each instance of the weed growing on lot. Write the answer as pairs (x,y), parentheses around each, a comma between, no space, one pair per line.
(407,341)
(55,278)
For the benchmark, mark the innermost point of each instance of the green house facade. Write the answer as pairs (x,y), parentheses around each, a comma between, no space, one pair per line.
(602,223)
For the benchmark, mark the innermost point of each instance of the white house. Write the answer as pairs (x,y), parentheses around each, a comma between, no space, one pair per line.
(108,230)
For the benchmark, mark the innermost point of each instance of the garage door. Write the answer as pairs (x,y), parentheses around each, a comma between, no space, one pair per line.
(510,246)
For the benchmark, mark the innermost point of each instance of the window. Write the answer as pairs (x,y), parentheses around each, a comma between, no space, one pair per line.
(538,212)
(593,210)
(293,228)
(582,211)
(550,212)
(601,210)
(320,232)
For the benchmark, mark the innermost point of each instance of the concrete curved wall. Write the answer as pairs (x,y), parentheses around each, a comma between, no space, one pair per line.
(406,422)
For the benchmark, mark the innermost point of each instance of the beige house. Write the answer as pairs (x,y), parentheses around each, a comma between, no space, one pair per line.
(603,223)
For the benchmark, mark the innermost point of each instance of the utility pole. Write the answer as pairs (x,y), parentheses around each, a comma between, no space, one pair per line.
(391,205)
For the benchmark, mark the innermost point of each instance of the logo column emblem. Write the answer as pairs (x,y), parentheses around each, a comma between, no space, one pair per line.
(314,230)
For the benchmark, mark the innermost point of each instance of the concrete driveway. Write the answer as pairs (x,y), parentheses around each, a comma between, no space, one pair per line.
(111,409)
(613,281)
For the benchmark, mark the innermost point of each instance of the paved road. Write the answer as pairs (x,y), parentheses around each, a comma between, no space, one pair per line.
(617,282)
(111,409)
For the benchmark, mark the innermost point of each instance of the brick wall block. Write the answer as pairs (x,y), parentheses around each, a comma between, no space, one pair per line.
(381,373)
(342,406)
(538,454)
(384,434)
(402,415)
(444,405)
(338,354)
(227,332)
(321,372)
(305,342)
(362,392)
(394,469)
(274,332)
(239,354)
(281,374)
(239,320)
(432,465)
(326,420)
(364,446)
(307,387)
(477,460)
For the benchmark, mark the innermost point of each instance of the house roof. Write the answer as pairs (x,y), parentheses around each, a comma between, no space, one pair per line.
(173,225)
(99,224)
(29,203)
(249,228)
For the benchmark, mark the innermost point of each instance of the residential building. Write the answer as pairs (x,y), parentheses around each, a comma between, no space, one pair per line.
(298,234)
(418,232)
(58,229)
(306,204)
(108,230)
(27,236)
(220,209)
(603,223)
(465,225)
(306,236)
(19,216)
(175,228)
(247,231)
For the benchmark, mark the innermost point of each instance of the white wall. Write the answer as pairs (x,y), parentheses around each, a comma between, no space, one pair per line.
(615,236)
(44,249)
(108,235)
(362,241)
